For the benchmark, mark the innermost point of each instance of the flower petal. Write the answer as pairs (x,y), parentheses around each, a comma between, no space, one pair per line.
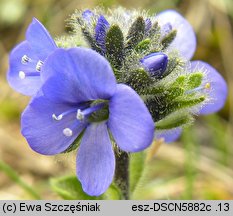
(168,135)
(31,84)
(40,40)
(130,122)
(95,160)
(43,133)
(185,40)
(77,75)
(218,87)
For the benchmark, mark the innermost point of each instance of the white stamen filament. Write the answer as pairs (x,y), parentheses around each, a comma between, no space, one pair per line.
(67,132)
(25,59)
(80,115)
(22,75)
(57,118)
(39,65)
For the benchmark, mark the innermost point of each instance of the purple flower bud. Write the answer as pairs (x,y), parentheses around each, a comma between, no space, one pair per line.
(87,15)
(155,63)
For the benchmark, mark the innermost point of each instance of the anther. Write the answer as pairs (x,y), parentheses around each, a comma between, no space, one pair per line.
(207,86)
(80,116)
(25,59)
(67,132)
(39,65)
(57,118)
(22,75)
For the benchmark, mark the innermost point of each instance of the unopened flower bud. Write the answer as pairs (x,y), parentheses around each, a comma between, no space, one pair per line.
(155,63)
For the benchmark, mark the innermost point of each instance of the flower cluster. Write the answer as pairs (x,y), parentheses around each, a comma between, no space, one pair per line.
(135,74)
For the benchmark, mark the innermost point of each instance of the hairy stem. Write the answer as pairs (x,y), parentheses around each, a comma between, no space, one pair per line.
(122,173)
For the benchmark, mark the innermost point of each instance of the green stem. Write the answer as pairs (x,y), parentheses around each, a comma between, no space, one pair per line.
(15,177)
(122,173)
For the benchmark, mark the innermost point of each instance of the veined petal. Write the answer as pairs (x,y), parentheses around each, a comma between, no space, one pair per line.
(43,133)
(95,160)
(185,41)
(31,84)
(77,75)
(129,121)
(218,87)
(40,40)
(168,135)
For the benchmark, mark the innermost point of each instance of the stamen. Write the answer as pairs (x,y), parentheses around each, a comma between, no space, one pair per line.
(80,115)
(25,59)
(57,118)
(22,75)
(67,132)
(39,65)
(60,116)
(200,88)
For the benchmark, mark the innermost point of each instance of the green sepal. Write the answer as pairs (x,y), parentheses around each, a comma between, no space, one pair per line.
(86,34)
(179,81)
(161,106)
(170,93)
(174,120)
(174,63)
(115,46)
(189,103)
(194,80)
(69,188)
(135,34)
(89,38)
(136,168)
(138,80)
(143,45)
(175,92)
(167,39)
(154,30)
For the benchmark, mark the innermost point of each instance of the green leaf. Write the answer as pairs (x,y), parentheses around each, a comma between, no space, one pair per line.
(136,33)
(115,46)
(167,40)
(69,188)
(136,168)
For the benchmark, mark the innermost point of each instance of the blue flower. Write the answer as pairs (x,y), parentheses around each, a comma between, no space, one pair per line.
(213,85)
(80,94)
(27,58)
(155,63)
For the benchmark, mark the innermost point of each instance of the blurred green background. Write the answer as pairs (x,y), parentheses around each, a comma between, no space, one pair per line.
(198,166)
